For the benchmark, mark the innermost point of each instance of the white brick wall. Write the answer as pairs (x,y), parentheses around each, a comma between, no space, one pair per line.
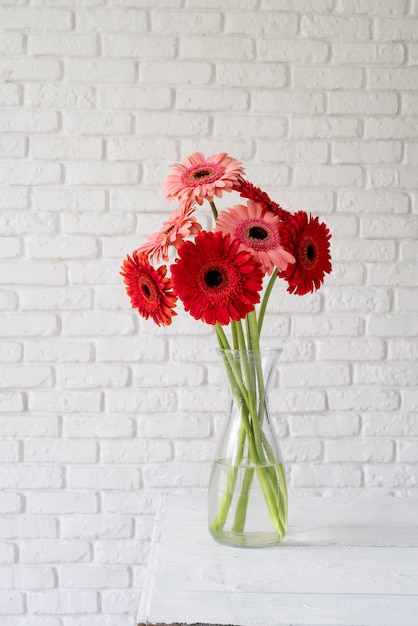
(100,410)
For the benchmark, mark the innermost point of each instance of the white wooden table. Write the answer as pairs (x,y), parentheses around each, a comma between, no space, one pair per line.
(344,561)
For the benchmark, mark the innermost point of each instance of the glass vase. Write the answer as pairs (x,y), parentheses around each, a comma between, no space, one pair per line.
(247,496)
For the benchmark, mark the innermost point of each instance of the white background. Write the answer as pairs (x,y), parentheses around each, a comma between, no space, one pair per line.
(100,411)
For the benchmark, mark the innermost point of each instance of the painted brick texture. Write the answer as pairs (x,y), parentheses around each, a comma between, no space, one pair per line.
(100,411)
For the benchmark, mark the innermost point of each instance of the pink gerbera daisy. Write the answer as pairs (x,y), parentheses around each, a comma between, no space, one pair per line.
(203,178)
(180,225)
(258,232)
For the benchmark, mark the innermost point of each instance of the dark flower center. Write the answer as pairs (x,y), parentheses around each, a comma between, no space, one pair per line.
(256,232)
(203,173)
(213,278)
(146,290)
(310,252)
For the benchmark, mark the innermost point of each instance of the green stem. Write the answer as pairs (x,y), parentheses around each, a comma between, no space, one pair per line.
(214,210)
(266,296)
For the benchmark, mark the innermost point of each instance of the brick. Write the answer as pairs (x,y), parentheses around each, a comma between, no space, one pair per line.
(28,527)
(133,149)
(390,475)
(10,352)
(23,325)
(56,451)
(23,376)
(172,72)
(13,146)
(212,100)
(110,427)
(179,426)
(13,600)
(16,172)
(58,351)
(301,450)
(377,250)
(105,20)
(97,123)
(402,350)
(388,325)
(367,152)
(63,148)
(97,324)
(326,475)
(106,477)
(363,399)
(143,47)
(173,124)
(280,102)
(334,27)
(361,450)
(61,502)
(328,77)
(359,349)
(365,300)
(27,272)
(93,376)
(65,401)
(385,374)
(134,451)
(8,301)
(34,69)
(292,50)
(325,127)
(66,199)
(368,53)
(359,202)
(10,95)
(192,22)
(324,425)
(293,151)
(53,551)
(102,174)
(397,226)
(37,19)
(25,425)
(180,375)
(370,103)
(401,275)
(60,97)
(261,23)
(309,375)
(101,70)
(25,476)
(11,43)
(334,175)
(96,577)
(257,75)
(406,300)
(396,28)
(390,128)
(62,45)
(14,198)
(144,400)
(407,451)
(62,603)
(233,48)
(162,476)
(43,247)
(28,121)
(136,98)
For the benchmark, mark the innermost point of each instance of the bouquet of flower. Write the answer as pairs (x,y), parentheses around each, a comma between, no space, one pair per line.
(218,276)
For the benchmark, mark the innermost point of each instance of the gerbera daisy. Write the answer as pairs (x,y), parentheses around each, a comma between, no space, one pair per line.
(149,289)
(251,192)
(180,225)
(257,231)
(308,240)
(203,178)
(215,280)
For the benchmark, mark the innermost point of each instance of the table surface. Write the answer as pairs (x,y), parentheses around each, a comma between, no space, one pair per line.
(351,561)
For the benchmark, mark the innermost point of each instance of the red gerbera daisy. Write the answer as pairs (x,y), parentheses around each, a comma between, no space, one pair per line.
(201,178)
(251,192)
(215,281)
(308,240)
(257,230)
(149,289)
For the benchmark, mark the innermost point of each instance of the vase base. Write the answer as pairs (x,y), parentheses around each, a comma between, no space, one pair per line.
(246,539)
